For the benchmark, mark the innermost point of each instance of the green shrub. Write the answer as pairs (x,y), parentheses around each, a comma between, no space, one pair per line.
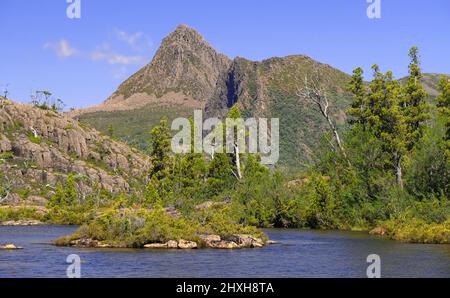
(418,231)
(14,214)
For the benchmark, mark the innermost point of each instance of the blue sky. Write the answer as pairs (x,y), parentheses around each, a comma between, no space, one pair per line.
(83,61)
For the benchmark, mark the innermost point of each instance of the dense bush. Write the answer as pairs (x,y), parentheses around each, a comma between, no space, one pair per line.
(418,231)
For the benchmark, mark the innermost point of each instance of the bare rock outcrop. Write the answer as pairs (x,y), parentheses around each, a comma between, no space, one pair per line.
(42,146)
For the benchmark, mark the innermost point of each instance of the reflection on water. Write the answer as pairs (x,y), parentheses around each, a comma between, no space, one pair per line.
(299,254)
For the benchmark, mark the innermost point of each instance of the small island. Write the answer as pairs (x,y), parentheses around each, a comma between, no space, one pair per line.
(160,229)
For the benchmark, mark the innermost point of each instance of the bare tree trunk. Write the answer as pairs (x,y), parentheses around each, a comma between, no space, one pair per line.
(35,133)
(4,198)
(335,132)
(398,172)
(237,161)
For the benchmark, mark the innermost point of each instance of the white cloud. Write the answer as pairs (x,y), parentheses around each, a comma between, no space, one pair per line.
(138,41)
(62,48)
(130,39)
(115,58)
(126,60)
(136,44)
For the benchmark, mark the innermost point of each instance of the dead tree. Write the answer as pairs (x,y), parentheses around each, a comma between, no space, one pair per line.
(6,91)
(34,131)
(314,92)
(237,161)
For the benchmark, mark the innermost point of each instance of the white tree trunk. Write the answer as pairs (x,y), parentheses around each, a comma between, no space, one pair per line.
(4,198)
(237,161)
(35,133)
(398,172)
(336,135)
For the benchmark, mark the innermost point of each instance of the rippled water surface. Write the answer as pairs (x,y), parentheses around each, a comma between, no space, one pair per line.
(299,254)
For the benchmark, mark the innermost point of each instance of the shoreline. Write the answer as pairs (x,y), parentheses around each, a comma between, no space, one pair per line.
(388,231)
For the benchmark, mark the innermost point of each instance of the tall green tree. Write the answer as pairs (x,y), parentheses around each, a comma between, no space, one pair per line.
(444,109)
(161,171)
(387,121)
(413,104)
(160,150)
(377,110)
(190,170)
(358,110)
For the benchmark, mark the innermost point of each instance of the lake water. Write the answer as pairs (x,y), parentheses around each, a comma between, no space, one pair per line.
(300,254)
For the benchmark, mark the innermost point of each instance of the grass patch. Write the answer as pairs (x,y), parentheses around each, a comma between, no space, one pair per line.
(34,139)
(7,155)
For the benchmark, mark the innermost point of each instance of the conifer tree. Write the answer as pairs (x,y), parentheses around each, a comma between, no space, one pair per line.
(160,150)
(378,111)
(414,107)
(444,108)
(358,108)
(386,120)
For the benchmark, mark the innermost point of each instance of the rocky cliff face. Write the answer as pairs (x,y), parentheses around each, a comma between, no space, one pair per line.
(251,85)
(39,147)
(268,89)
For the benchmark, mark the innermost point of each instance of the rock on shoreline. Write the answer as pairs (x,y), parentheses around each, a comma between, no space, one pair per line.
(381,231)
(10,247)
(234,241)
(172,244)
(24,222)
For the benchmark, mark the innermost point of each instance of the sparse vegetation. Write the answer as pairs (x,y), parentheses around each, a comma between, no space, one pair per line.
(35,139)
(44,100)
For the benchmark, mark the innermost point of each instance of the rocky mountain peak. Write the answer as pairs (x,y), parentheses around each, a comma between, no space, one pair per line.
(185,34)
(184,69)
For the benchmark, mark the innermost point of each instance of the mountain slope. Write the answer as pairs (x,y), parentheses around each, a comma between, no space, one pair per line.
(268,89)
(430,82)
